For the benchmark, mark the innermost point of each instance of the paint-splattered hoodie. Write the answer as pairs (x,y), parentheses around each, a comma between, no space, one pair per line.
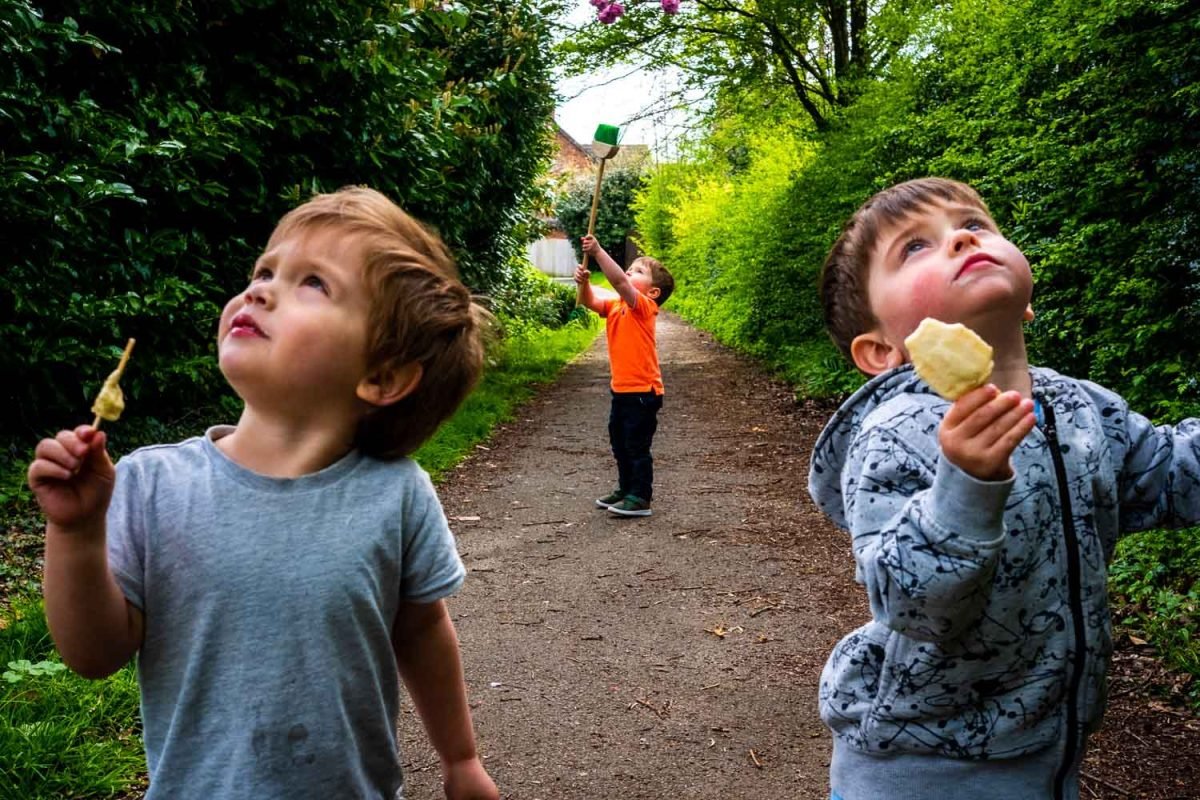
(990,633)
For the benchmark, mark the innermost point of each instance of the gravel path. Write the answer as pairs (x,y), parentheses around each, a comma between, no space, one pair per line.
(675,656)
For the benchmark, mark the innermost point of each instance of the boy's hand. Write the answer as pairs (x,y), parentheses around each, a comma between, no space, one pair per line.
(72,477)
(467,780)
(591,246)
(983,428)
(582,275)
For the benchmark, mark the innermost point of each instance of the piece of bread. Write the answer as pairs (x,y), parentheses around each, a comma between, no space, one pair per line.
(952,359)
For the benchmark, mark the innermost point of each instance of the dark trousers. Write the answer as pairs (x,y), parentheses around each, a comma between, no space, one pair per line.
(631,426)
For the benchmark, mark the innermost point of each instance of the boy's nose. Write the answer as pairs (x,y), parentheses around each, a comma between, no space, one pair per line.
(962,238)
(258,293)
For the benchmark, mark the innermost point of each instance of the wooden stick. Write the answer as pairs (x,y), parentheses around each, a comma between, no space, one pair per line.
(120,371)
(595,205)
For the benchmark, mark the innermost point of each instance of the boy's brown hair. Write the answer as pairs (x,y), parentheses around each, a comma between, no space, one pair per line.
(844,275)
(660,278)
(420,312)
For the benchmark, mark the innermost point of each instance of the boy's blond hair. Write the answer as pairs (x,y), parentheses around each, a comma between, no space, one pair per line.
(419,312)
(844,276)
(660,278)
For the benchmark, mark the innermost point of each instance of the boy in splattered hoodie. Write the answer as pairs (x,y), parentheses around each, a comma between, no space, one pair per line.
(981,528)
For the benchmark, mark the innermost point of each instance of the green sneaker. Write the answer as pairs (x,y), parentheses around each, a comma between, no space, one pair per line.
(608,501)
(631,506)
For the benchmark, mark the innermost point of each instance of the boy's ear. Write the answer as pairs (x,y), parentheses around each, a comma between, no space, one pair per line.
(653,292)
(390,386)
(873,354)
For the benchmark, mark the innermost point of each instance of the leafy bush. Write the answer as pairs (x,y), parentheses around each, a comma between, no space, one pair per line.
(1077,122)
(726,224)
(1155,581)
(150,149)
(614,215)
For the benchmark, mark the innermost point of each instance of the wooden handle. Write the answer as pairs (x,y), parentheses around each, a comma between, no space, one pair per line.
(595,205)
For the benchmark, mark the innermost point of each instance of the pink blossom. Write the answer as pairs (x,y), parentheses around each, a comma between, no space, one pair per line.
(670,6)
(608,15)
(600,3)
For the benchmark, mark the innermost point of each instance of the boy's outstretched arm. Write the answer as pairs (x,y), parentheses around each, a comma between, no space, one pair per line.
(616,277)
(94,627)
(426,647)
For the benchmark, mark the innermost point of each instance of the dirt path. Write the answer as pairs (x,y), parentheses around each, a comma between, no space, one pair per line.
(592,644)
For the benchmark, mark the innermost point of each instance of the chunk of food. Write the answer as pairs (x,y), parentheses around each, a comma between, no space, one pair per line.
(952,359)
(111,401)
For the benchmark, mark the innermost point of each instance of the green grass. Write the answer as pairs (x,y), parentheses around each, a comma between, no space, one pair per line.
(65,736)
(522,362)
(61,735)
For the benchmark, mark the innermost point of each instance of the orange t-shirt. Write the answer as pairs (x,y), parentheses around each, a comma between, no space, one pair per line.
(632,355)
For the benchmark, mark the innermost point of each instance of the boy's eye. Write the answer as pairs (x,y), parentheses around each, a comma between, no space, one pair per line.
(975,224)
(910,247)
(315,282)
(261,274)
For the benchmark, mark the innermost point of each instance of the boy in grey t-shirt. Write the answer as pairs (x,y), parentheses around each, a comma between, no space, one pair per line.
(273,577)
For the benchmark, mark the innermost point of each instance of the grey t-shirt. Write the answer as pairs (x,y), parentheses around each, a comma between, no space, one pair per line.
(267,669)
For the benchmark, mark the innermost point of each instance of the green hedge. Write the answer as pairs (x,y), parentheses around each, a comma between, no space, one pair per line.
(614,215)
(1079,122)
(148,150)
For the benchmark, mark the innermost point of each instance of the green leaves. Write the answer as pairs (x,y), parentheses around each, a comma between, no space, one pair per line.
(148,153)
(22,668)
(614,216)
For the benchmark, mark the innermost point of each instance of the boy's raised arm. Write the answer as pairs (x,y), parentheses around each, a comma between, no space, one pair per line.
(94,627)
(427,654)
(616,277)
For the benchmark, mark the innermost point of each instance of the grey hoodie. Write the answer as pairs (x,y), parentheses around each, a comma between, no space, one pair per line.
(990,632)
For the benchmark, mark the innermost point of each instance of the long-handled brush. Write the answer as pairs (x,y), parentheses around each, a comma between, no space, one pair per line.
(604,147)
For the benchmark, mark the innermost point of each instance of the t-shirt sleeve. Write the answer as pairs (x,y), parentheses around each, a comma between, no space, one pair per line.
(126,529)
(431,568)
(606,306)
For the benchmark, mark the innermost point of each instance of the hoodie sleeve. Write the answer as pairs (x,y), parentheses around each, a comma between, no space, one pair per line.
(926,535)
(1158,467)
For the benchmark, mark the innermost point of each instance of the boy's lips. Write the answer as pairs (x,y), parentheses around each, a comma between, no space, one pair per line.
(974,260)
(244,325)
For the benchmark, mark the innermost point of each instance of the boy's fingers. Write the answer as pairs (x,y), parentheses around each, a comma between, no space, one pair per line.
(53,451)
(1004,424)
(72,443)
(1013,436)
(41,471)
(969,403)
(989,416)
(98,457)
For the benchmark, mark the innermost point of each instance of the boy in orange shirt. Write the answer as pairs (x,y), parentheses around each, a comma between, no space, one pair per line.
(637,387)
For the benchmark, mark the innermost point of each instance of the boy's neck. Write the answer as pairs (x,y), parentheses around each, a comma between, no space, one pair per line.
(1010,371)
(282,446)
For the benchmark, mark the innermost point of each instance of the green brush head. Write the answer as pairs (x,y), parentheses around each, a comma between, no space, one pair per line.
(607,134)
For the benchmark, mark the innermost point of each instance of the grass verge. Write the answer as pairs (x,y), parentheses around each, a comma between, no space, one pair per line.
(64,736)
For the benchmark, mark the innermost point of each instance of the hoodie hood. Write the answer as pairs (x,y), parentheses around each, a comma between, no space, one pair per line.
(829,453)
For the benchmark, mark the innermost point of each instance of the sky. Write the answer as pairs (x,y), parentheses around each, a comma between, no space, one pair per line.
(614,97)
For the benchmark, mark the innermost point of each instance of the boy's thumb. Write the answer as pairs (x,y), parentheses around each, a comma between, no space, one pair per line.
(97,458)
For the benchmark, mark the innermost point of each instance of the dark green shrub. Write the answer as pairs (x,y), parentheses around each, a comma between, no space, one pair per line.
(149,149)
(614,215)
